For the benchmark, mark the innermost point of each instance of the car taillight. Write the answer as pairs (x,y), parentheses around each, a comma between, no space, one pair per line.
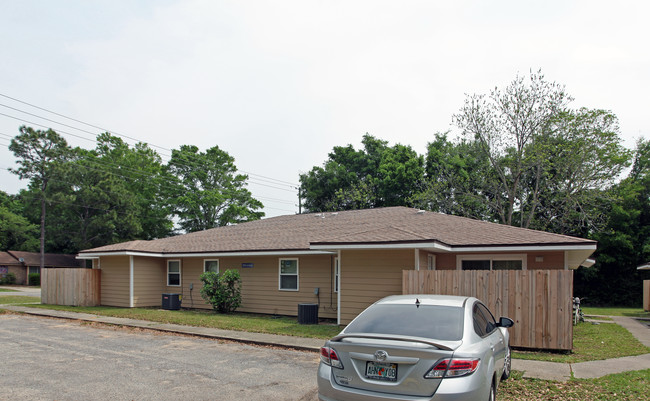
(330,357)
(452,368)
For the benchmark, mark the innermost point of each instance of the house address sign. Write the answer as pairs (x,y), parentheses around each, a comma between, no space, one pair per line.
(246,265)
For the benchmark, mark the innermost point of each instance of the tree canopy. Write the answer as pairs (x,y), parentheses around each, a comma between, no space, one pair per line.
(207,191)
(376,176)
(117,192)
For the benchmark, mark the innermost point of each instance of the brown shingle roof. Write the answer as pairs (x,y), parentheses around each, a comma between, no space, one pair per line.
(370,226)
(51,259)
(6,259)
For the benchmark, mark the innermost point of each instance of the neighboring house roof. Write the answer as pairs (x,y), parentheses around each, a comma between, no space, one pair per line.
(7,260)
(390,227)
(645,266)
(51,259)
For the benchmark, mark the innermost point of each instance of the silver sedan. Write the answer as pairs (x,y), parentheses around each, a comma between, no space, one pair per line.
(417,347)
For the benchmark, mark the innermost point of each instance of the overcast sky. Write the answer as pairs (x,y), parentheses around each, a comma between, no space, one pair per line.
(278,84)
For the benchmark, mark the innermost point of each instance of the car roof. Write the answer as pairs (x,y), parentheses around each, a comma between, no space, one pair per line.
(425,299)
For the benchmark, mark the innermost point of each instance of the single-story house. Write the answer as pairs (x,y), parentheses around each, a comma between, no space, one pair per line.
(22,264)
(342,261)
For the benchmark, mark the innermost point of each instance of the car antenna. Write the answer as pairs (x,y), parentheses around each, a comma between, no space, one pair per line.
(417,303)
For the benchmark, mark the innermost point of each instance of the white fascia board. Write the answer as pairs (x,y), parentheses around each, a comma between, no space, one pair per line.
(120,253)
(86,257)
(645,266)
(536,248)
(457,249)
(420,245)
(263,253)
(201,254)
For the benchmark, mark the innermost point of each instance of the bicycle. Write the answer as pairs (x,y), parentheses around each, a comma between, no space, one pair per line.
(578,315)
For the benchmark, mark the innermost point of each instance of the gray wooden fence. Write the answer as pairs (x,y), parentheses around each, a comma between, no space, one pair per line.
(76,287)
(539,301)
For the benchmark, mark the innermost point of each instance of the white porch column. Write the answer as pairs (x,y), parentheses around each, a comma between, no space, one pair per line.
(338,294)
(131,281)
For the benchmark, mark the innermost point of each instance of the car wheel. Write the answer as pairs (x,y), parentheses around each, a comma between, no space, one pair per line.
(507,365)
(493,393)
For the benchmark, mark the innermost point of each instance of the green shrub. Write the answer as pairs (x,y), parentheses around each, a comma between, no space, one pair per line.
(222,291)
(34,279)
(9,278)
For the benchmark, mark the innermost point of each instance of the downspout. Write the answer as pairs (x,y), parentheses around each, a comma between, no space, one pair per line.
(131,281)
(338,294)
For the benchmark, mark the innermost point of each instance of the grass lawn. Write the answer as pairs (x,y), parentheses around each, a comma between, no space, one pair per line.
(237,321)
(629,312)
(7,290)
(622,386)
(592,342)
(17,299)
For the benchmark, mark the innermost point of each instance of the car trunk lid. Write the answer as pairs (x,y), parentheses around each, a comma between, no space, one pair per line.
(389,365)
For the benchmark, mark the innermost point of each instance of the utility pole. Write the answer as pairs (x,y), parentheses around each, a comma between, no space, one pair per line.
(299,201)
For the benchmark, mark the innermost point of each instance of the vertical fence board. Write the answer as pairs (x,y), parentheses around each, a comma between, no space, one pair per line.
(539,301)
(75,287)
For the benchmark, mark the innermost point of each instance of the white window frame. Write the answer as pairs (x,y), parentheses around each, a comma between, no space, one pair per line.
(180,275)
(337,273)
(492,257)
(280,275)
(212,260)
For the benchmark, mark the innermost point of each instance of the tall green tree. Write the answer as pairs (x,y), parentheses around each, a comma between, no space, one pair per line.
(41,157)
(583,156)
(207,191)
(93,206)
(507,123)
(143,175)
(624,242)
(16,232)
(375,176)
(454,177)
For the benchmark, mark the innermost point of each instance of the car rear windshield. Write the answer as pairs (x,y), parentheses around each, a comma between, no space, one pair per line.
(435,322)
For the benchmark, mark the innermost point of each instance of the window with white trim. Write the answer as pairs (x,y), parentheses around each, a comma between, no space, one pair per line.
(288,275)
(211,265)
(173,273)
(491,262)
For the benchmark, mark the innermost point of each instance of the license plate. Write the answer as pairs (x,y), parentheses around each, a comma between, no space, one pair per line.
(381,371)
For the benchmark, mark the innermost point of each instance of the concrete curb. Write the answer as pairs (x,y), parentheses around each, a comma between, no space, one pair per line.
(532,369)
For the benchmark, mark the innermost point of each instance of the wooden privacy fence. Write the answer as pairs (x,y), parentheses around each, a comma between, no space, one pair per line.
(76,287)
(646,295)
(539,301)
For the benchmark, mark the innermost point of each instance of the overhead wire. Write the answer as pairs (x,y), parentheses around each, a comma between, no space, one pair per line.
(106,130)
(253,179)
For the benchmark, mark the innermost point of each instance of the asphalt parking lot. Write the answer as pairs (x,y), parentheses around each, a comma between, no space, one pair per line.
(50,359)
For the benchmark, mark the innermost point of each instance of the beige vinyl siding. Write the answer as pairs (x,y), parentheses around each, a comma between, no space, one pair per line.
(260,284)
(115,281)
(148,281)
(367,276)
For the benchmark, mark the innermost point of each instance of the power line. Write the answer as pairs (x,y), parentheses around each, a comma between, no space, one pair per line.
(105,130)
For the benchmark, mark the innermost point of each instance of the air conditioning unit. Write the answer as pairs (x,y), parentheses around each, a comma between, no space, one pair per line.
(171,301)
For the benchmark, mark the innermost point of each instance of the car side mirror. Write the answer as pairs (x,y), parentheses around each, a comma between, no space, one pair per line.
(505,322)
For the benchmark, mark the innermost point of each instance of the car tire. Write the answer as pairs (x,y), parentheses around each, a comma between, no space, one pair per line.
(493,392)
(507,365)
